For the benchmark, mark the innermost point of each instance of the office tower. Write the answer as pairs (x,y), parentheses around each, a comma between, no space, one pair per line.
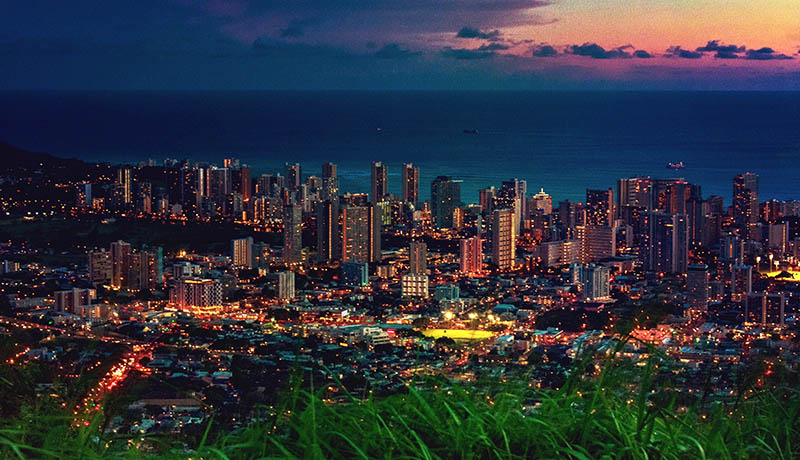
(559,253)
(511,196)
(124,184)
(541,202)
(696,216)
(220,184)
(745,200)
(664,243)
(486,199)
(120,264)
(361,234)
(418,258)
(677,194)
(292,234)
(594,281)
(83,197)
(242,252)
(379,182)
(634,192)
(503,239)
(599,207)
(328,231)
(472,255)
(697,286)
(355,274)
(741,279)
(445,197)
(232,163)
(596,243)
(410,183)
(246,186)
(293,176)
(286,290)
(330,182)
(447,292)
(100,271)
(194,293)
(767,309)
(70,299)
(414,285)
(566,214)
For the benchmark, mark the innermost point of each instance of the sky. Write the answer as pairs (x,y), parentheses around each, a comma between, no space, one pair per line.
(400,44)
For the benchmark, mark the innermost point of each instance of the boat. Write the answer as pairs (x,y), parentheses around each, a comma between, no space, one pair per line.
(678,165)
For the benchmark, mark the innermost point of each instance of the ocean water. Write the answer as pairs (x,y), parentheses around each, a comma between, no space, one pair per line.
(563,142)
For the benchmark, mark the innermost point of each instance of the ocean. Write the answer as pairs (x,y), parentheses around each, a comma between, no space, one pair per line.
(564,142)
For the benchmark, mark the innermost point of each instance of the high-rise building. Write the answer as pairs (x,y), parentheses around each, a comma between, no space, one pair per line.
(559,253)
(541,202)
(70,299)
(361,234)
(767,309)
(84,195)
(125,185)
(664,245)
(745,200)
(596,242)
(328,244)
(599,207)
(100,270)
(246,186)
(778,236)
(445,198)
(294,176)
(741,280)
(472,255)
(330,182)
(594,281)
(410,183)
(286,286)
(120,265)
(194,293)
(512,196)
(379,184)
(504,243)
(292,234)
(634,192)
(418,258)
(414,285)
(697,287)
(486,199)
(242,252)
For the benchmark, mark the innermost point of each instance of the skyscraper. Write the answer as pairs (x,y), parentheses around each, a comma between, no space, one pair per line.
(541,202)
(379,184)
(246,186)
(664,244)
(120,264)
(327,230)
(503,238)
(410,183)
(361,234)
(745,199)
(294,175)
(697,286)
(599,207)
(292,234)
(418,258)
(242,252)
(330,182)
(594,281)
(445,197)
(124,184)
(286,290)
(472,255)
(196,293)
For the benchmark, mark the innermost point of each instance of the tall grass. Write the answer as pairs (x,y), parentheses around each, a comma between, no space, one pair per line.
(616,411)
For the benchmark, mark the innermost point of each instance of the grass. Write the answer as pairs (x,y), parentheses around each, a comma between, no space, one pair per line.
(616,411)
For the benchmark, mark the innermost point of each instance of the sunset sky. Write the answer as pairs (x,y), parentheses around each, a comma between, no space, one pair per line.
(403,44)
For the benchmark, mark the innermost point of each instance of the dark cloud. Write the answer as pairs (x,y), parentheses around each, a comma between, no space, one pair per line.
(465,54)
(765,54)
(297,28)
(642,54)
(395,51)
(677,51)
(493,47)
(544,51)
(471,32)
(595,51)
(716,46)
(721,54)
